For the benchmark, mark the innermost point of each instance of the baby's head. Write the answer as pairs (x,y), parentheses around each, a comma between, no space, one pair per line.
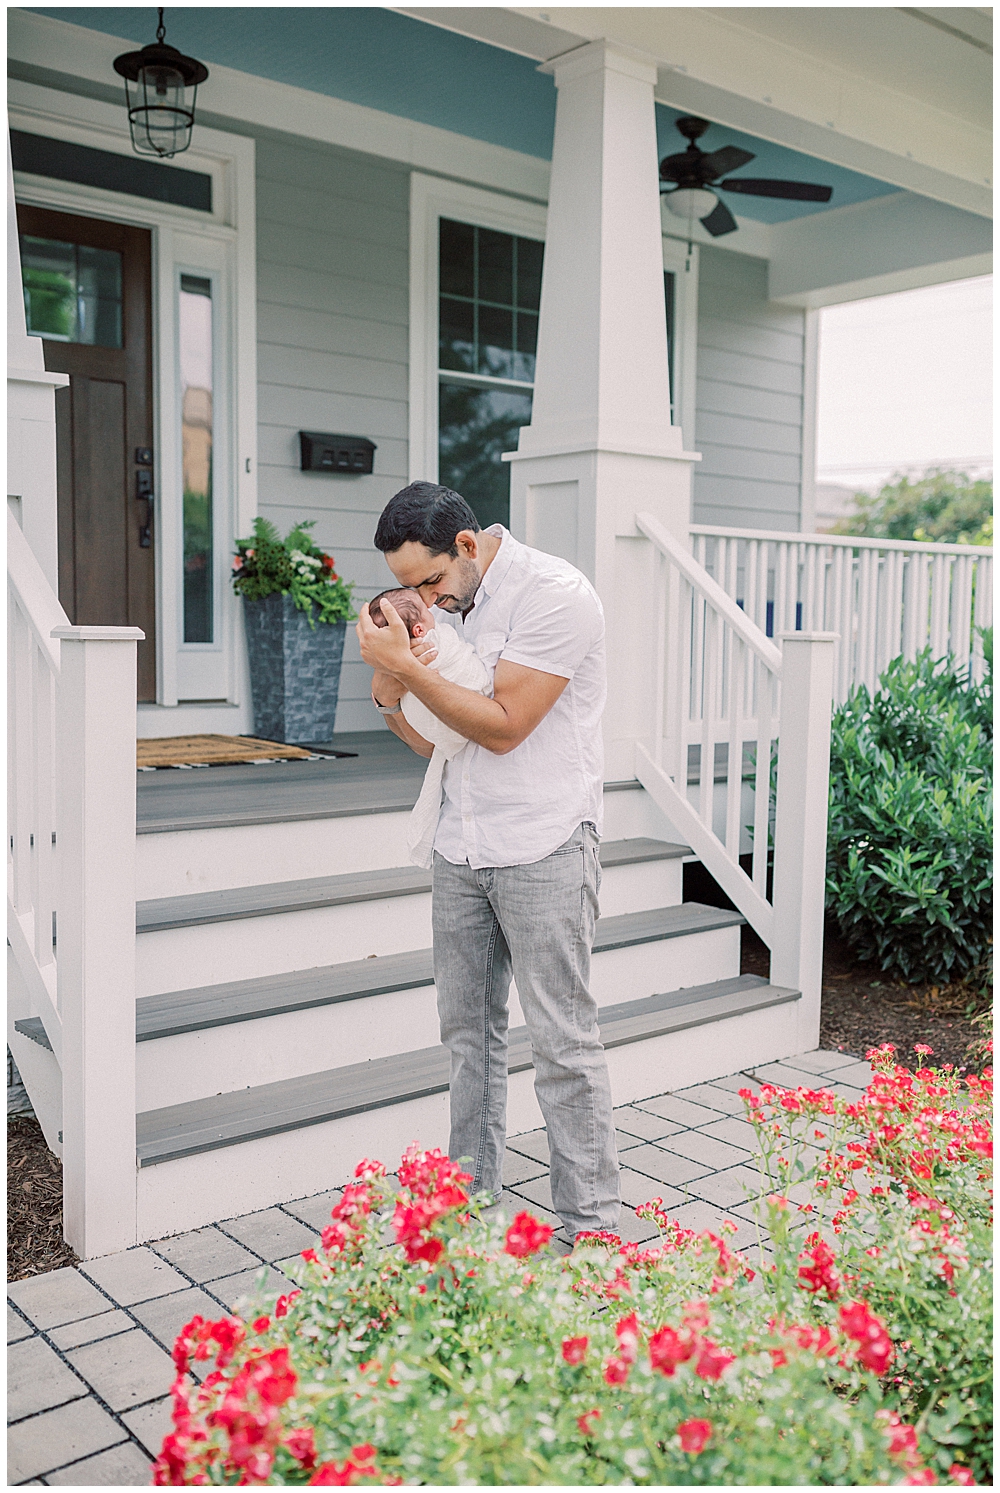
(418,618)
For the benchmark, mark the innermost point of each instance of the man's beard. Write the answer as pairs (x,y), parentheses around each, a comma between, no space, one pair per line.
(471,579)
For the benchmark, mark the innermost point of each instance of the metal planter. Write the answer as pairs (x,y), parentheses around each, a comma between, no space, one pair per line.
(294,670)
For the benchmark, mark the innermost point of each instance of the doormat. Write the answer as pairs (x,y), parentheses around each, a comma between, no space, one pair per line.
(212,751)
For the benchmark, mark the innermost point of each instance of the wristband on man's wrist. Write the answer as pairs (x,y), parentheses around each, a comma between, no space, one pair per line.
(386,709)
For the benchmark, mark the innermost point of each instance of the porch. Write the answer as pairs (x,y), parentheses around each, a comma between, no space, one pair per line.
(89,1365)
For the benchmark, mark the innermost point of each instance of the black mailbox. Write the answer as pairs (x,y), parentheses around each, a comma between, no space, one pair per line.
(336,453)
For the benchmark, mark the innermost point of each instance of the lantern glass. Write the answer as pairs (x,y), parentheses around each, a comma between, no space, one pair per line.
(160,115)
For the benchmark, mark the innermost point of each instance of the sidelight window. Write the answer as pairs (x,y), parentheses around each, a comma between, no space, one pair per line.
(196,364)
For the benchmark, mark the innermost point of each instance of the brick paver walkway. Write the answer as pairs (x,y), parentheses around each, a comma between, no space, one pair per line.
(89,1348)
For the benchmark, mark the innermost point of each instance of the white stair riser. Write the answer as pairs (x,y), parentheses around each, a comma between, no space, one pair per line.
(209,953)
(210,860)
(180,1195)
(223,1059)
(185,1194)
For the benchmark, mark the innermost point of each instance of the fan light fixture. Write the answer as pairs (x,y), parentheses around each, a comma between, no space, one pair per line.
(158,82)
(690,202)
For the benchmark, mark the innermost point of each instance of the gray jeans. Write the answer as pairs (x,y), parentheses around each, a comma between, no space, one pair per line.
(537,923)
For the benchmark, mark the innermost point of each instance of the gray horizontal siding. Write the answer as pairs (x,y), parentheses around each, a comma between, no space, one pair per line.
(748,419)
(332,328)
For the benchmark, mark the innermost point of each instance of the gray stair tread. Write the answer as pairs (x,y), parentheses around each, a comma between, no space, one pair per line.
(203,1007)
(193,908)
(249,1114)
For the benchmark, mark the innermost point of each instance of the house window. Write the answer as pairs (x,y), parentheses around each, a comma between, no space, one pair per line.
(72,292)
(195,312)
(669,296)
(489,290)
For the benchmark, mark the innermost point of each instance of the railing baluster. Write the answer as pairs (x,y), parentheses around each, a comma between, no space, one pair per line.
(660,664)
(734,761)
(762,780)
(707,766)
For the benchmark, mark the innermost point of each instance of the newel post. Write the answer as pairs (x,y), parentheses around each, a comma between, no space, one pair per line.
(799,892)
(95,956)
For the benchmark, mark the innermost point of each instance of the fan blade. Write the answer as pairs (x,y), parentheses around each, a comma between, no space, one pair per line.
(673,168)
(795,191)
(719,221)
(729,158)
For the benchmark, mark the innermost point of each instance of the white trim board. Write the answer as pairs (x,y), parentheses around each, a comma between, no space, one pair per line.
(223,244)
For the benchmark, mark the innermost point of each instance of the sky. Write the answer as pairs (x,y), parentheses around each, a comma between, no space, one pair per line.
(905,382)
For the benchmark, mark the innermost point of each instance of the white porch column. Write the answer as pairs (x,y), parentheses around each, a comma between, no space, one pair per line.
(600,446)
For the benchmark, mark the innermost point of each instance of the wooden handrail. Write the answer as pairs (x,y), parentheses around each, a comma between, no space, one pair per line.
(734,616)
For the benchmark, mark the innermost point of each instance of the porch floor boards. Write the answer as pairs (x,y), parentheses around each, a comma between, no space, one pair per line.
(89,1366)
(384,777)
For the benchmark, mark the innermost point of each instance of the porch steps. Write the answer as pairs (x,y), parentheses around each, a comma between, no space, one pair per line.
(159,913)
(182,1011)
(184,1130)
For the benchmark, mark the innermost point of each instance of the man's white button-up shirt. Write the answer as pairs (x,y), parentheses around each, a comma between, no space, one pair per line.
(537,610)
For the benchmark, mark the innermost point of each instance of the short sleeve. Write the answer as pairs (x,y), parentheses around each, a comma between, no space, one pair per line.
(555,626)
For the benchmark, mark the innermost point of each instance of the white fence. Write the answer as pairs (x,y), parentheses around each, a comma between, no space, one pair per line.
(883,598)
(71,884)
(722,688)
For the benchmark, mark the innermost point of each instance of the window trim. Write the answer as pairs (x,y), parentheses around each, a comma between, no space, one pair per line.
(431,199)
(685,359)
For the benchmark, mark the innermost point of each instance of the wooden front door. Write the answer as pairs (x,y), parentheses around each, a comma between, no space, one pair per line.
(88,295)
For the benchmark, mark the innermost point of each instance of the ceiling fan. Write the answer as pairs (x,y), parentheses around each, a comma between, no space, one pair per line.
(692,181)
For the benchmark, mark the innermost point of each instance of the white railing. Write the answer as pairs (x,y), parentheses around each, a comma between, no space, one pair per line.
(71,884)
(884,598)
(729,710)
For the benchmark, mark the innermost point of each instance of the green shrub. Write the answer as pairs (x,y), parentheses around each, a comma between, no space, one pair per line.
(942,507)
(910,831)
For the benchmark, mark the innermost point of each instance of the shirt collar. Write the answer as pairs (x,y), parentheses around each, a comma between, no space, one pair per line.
(502,560)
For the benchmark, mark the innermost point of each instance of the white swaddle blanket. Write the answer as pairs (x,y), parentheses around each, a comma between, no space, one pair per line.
(458,662)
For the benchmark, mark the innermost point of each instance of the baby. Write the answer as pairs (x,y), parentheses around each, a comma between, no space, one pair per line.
(456,661)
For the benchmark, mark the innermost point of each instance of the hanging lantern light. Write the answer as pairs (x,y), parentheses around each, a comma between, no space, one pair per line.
(157,84)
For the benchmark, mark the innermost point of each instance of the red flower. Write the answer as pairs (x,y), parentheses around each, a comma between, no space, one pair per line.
(574,1349)
(310,1256)
(332,1476)
(627,1333)
(616,1371)
(816,1272)
(302,1445)
(526,1235)
(583,1421)
(874,1349)
(668,1348)
(694,1434)
(261,1324)
(334,1238)
(961,1475)
(284,1302)
(713,1361)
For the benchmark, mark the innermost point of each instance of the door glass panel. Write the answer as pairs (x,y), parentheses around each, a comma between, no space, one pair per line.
(72,292)
(477,424)
(196,447)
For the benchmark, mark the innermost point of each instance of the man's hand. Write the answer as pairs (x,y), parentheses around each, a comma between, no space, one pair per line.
(384,649)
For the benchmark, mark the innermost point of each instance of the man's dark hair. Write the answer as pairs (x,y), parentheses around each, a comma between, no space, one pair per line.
(426,514)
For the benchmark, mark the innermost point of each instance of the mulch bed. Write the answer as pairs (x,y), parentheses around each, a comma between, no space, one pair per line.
(34,1203)
(861,1010)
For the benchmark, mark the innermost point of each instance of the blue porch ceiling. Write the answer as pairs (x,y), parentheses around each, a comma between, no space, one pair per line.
(367,55)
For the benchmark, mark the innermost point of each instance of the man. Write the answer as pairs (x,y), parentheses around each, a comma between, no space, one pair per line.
(516,872)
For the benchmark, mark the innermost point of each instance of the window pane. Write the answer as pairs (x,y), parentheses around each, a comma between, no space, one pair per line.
(529,273)
(496,342)
(72,292)
(669,291)
(496,267)
(457,337)
(196,445)
(457,258)
(527,338)
(476,425)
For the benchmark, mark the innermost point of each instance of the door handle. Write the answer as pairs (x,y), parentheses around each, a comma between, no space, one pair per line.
(144,493)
